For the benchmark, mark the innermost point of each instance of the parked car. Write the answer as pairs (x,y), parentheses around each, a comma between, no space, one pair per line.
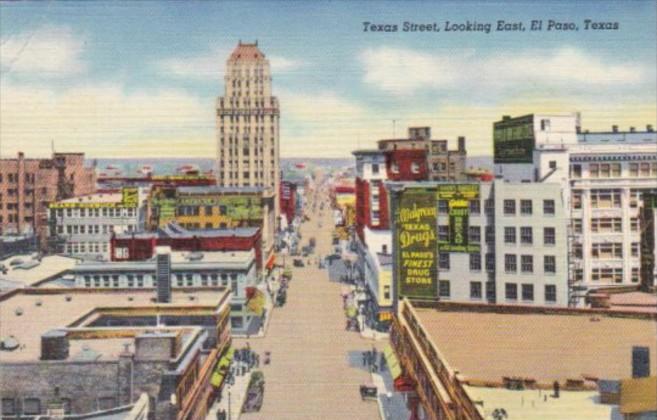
(298,262)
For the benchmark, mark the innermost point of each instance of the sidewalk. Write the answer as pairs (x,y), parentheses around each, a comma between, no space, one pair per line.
(392,405)
(371,334)
(237,396)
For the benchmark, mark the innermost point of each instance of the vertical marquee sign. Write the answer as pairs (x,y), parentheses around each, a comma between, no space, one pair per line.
(417,247)
(458,197)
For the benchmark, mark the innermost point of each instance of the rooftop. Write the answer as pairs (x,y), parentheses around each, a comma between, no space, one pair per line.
(42,310)
(633,301)
(590,344)
(174,230)
(215,189)
(189,260)
(32,271)
(245,51)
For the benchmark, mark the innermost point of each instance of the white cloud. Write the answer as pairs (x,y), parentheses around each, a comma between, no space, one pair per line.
(49,51)
(212,65)
(105,121)
(403,72)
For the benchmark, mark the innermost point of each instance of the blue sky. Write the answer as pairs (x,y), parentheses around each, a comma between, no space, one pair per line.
(131,79)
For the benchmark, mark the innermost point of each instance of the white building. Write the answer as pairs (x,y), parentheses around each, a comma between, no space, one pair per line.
(82,227)
(603,176)
(248,124)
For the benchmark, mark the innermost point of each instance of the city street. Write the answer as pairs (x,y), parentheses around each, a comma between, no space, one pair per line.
(316,368)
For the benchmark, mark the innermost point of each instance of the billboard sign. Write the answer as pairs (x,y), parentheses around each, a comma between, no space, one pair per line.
(458,197)
(129,199)
(513,140)
(415,225)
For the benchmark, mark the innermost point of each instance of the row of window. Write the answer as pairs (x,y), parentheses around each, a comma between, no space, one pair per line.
(607,250)
(606,198)
(527,235)
(608,275)
(510,291)
(101,212)
(527,263)
(94,229)
(12,178)
(73,248)
(527,207)
(609,170)
(147,280)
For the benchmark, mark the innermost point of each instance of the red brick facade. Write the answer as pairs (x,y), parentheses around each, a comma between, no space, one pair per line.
(288,200)
(407,165)
(27,186)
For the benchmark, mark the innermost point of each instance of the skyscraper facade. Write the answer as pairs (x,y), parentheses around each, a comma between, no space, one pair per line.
(248,124)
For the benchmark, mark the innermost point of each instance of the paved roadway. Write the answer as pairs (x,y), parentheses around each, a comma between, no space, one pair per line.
(315,369)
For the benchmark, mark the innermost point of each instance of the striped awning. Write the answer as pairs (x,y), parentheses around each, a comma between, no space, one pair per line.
(392,362)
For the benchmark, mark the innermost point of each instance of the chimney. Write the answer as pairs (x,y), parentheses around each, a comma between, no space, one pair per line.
(461,144)
(632,130)
(649,128)
(614,128)
(640,362)
(163,273)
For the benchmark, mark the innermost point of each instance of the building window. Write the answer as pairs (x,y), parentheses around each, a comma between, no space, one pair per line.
(179,280)
(386,292)
(475,206)
(634,224)
(510,263)
(8,406)
(550,293)
(634,169)
(528,292)
(443,260)
(31,406)
(490,234)
(577,199)
(635,249)
(549,264)
(443,207)
(545,125)
(490,262)
(526,236)
(548,207)
(415,168)
(594,170)
(474,234)
(375,168)
(526,207)
(511,291)
(443,288)
(607,275)
(236,322)
(443,233)
(605,199)
(635,275)
(606,224)
(475,261)
(607,250)
(527,263)
(394,168)
(509,235)
(576,171)
(509,207)
(475,290)
(549,236)
(489,206)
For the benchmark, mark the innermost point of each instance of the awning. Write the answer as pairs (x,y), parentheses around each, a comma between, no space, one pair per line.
(270,262)
(221,368)
(392,362)
(257,303)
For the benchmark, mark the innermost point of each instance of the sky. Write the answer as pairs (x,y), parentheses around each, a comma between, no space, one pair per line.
(137,79)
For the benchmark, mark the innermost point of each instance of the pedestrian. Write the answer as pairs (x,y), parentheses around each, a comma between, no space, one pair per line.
(382,361)
(363,354)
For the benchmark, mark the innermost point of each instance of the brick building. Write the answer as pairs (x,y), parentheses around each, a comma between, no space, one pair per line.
(27,186)
(288,200)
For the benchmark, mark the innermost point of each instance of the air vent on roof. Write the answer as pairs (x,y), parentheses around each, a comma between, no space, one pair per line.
(9,344)
(192,298)
(18,311)
(68,298)
(38,303)
(195,256)
(130,298)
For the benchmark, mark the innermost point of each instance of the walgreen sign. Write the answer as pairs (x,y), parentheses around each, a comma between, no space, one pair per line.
(458,197)
(513,140)
(415,225)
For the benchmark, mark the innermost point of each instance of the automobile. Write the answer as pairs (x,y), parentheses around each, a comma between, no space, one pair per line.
(368,392)
(298,262)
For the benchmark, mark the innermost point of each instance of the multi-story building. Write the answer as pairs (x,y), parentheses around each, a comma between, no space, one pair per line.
(496,242)
(248,124)
(604,365)
(91,353)
(83,226)
(232,270)
(142,245)
(27,186)
(288,201)
(604,176)
(216,207)
(442,164)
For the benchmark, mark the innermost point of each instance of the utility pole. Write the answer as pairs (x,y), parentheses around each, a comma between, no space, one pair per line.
(394,129)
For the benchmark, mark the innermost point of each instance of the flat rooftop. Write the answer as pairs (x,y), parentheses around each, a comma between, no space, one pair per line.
(32,271)
(42,310)
(486,346)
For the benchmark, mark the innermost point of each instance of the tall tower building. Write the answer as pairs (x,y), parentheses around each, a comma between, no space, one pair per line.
(248,124)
